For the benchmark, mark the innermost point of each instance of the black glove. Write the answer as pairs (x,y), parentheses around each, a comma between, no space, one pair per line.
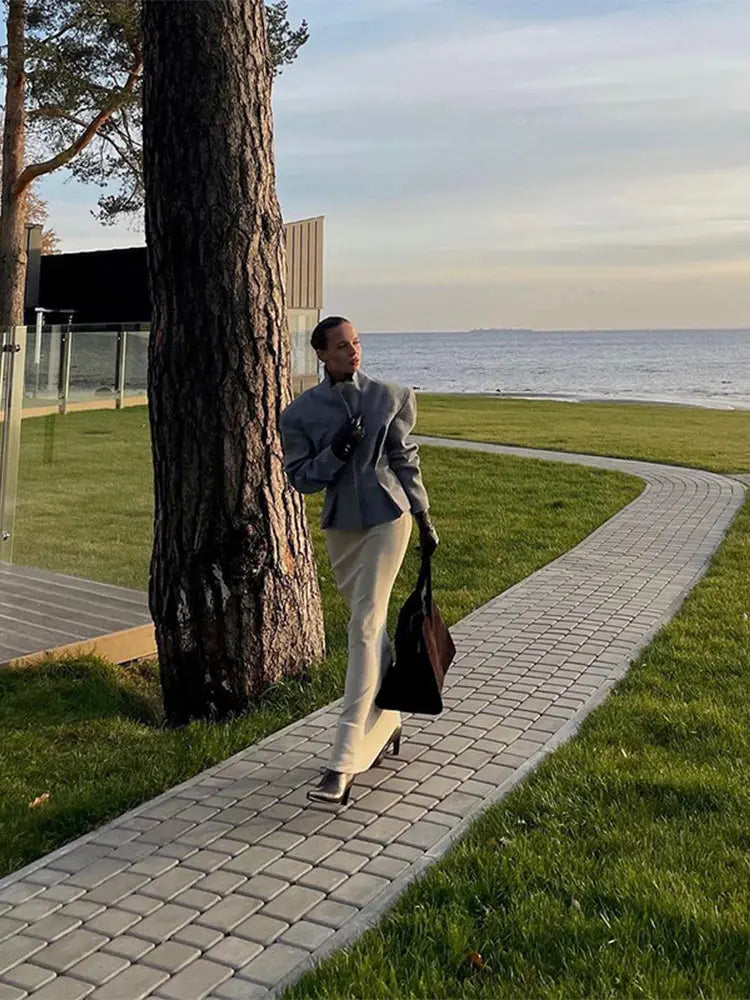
(428,537)
(348,438)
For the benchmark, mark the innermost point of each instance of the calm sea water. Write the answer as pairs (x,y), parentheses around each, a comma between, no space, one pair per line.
(696,367)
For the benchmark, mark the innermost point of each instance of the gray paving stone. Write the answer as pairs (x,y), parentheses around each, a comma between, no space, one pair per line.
(342,829)
(98,968)
(460,804)
(308,822)
(152,865)
(52,928)
(28,976)
(127,946)
(140,905)
(385,829)
(81,910)
(204,834)
(224,845)
(197,981)
(342,861)
(220,882)
(423,834)
(388,868)
(70,949)
(254,829)
(239,989)
(234,951)
(380,800)
(164,922)
(332,914)
(422,801)
(171,883)
(275,963)
(198,936)
(230,912)
(197,814)
(261,928)
(324,879)
(116,888)
(171,956)
(293,903)
(402,810)
(133,852)
(479,788)
(305,934)
(111,922)
(367,847)
(166,831)
(457,772)
(8,992)
(315,849)
(97,872)
(64,988)
(78,858)
(209,860)
(32,909)
(264,887)
(133,983)
(359,889)
(253,860)
(64,893)
(11,925)
(282,811)
(196,899)
(287,869)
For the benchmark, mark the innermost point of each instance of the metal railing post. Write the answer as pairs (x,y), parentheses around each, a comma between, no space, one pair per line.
(66,349)
(122,345)
(13,345)
(38,346)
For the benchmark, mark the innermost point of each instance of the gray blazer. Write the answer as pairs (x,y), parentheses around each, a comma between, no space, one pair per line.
(382,480)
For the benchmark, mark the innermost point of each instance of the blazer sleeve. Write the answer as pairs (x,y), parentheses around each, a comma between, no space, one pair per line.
(307,471)
(403,453)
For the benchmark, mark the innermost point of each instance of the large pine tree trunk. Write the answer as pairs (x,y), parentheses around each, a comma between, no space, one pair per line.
(234,592)
(13,203)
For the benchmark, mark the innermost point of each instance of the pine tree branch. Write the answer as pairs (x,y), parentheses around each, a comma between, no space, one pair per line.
(34,170)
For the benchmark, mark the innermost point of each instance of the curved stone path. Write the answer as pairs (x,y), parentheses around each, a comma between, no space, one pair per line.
(232,885)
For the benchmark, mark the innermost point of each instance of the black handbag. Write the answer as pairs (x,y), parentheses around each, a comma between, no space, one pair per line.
(423,651)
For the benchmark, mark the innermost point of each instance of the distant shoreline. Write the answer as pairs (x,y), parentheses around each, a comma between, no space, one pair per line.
(571,398)
(522,329)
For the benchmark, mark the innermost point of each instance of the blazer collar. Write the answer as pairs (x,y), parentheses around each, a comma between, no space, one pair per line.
(357,379)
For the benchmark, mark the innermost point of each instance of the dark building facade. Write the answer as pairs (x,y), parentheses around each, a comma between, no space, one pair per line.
(111,286)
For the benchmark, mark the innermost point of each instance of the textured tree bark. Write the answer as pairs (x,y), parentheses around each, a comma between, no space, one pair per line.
(13,203)
(234,591)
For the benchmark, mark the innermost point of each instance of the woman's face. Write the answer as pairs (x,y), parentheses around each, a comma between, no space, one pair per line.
(343,352)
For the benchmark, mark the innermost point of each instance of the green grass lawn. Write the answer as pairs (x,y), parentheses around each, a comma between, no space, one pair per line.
(89,733)
(709,439)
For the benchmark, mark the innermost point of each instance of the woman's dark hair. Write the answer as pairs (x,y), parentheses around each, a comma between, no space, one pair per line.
(319,338)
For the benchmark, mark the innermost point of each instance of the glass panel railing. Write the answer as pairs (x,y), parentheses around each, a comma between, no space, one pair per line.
(12,362)
(42,368)
(93,366)
(135,382)
(74,365)
(301,324)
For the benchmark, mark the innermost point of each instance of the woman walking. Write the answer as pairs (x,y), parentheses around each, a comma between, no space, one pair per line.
(349,436)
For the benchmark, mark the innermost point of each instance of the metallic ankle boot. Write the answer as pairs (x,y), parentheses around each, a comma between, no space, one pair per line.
(334,788)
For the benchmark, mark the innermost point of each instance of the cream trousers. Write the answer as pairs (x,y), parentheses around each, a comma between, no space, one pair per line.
(365,566)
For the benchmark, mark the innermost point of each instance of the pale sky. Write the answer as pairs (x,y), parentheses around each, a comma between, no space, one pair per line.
(533,163)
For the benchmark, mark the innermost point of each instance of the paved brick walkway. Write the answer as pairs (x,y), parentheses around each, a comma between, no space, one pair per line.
(231,885)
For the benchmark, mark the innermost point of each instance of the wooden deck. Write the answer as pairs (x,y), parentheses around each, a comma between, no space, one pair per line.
(43,612)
